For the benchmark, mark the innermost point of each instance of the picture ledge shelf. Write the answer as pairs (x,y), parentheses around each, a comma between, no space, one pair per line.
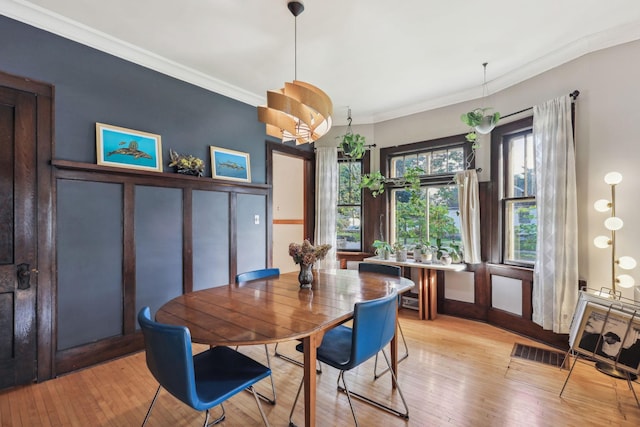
(91,167)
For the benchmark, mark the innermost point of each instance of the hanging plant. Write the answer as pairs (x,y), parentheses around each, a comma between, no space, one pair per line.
(353,145)
(374,182)
(480,122)
(478,119)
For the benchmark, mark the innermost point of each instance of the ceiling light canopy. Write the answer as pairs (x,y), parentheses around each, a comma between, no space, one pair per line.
(300,111)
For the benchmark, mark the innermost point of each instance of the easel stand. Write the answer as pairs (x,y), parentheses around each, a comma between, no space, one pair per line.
(606,328)
(619,374)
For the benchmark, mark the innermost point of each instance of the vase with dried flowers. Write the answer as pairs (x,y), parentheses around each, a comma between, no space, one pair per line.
(306,255)
(188,165)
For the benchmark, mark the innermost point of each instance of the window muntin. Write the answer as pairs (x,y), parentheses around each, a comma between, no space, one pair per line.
(434,162)
(520,219)
(349,215)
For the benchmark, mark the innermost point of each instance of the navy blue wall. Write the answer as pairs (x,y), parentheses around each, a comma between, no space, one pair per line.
(92,86)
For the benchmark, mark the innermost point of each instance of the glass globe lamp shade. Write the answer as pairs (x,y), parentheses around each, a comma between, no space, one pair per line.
(602,205)
(614,223)
(602,242)
(625,281)
(627,262)
(486,125)
(613,178)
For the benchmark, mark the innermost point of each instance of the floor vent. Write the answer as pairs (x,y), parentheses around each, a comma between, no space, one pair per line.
(541,355)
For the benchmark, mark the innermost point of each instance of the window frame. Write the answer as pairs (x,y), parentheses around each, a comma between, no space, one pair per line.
(499,201)
(364,169)
(387,154)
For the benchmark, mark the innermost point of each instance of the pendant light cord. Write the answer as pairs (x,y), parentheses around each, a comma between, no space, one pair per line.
(295,48)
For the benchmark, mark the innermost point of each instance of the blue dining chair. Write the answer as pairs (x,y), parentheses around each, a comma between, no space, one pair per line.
(391,270)
(344,348)
(201,381)
(247,276)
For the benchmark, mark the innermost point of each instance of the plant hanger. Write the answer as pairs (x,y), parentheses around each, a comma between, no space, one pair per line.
(478,119)
(352,145)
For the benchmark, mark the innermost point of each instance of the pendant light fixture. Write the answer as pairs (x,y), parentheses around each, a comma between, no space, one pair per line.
(300,111)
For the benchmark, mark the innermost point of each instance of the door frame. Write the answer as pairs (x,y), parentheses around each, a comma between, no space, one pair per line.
(45,232)
(309,191)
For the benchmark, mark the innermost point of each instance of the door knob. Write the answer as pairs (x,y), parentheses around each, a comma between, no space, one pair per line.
(24,275)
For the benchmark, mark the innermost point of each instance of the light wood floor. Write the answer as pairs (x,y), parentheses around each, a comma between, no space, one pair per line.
(459,373)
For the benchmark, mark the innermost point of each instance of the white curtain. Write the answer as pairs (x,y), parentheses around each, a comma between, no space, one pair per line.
(326,203)
(555,282)
(469,202)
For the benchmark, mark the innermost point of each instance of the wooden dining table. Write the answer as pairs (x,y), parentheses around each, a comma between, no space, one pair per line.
(267,311)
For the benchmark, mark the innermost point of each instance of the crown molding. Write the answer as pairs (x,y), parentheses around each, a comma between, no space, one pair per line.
(602,40)
(44,19)
(41,18)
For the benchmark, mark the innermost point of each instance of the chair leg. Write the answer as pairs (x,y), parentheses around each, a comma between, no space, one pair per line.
(218,420)
(379,405)
(269,400)
(346,390)
(377,375)
(153,402)
(295,402)
(272,400)
(264,417)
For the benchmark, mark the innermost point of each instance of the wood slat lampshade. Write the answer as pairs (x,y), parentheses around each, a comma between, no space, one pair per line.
(298,112)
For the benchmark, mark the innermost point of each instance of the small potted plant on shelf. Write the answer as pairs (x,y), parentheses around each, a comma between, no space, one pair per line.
(383,249)
(401,251)
(455,251)
(421,252)
(188,165)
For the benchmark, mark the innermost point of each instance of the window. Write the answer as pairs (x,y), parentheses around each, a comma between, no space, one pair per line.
(429,213)
(514,228)
(520,224)
(349,218)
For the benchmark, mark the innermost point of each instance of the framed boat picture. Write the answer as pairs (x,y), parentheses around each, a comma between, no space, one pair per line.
(128,148)
(230,164)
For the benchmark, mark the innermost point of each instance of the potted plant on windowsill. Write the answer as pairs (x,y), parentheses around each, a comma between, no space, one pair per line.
(383,249)
(401,252)
(422,253)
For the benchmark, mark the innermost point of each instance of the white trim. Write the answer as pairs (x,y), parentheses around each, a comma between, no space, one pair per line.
(57,24)
(44,19)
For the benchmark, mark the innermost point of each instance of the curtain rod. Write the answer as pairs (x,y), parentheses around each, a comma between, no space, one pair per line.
(573,95)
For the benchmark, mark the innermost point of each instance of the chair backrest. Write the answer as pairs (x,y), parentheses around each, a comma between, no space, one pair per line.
(169,357)
(374,325)
(371,267)
(257,274)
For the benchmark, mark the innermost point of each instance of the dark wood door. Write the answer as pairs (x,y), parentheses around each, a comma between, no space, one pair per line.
(18,234)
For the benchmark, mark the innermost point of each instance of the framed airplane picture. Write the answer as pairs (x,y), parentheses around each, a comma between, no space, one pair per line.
(230,164)
(128,148)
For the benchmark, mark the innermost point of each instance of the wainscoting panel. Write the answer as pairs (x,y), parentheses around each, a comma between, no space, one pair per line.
(252,237)
(210,239)
(89,262)
(506,294)
(459,286)
(158,237)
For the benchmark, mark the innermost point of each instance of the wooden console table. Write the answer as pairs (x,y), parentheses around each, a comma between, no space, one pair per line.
(427,284)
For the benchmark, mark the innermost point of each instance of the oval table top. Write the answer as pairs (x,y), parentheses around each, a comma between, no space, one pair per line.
(272,310)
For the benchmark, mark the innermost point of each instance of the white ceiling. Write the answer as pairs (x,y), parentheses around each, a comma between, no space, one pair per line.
(384,59)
